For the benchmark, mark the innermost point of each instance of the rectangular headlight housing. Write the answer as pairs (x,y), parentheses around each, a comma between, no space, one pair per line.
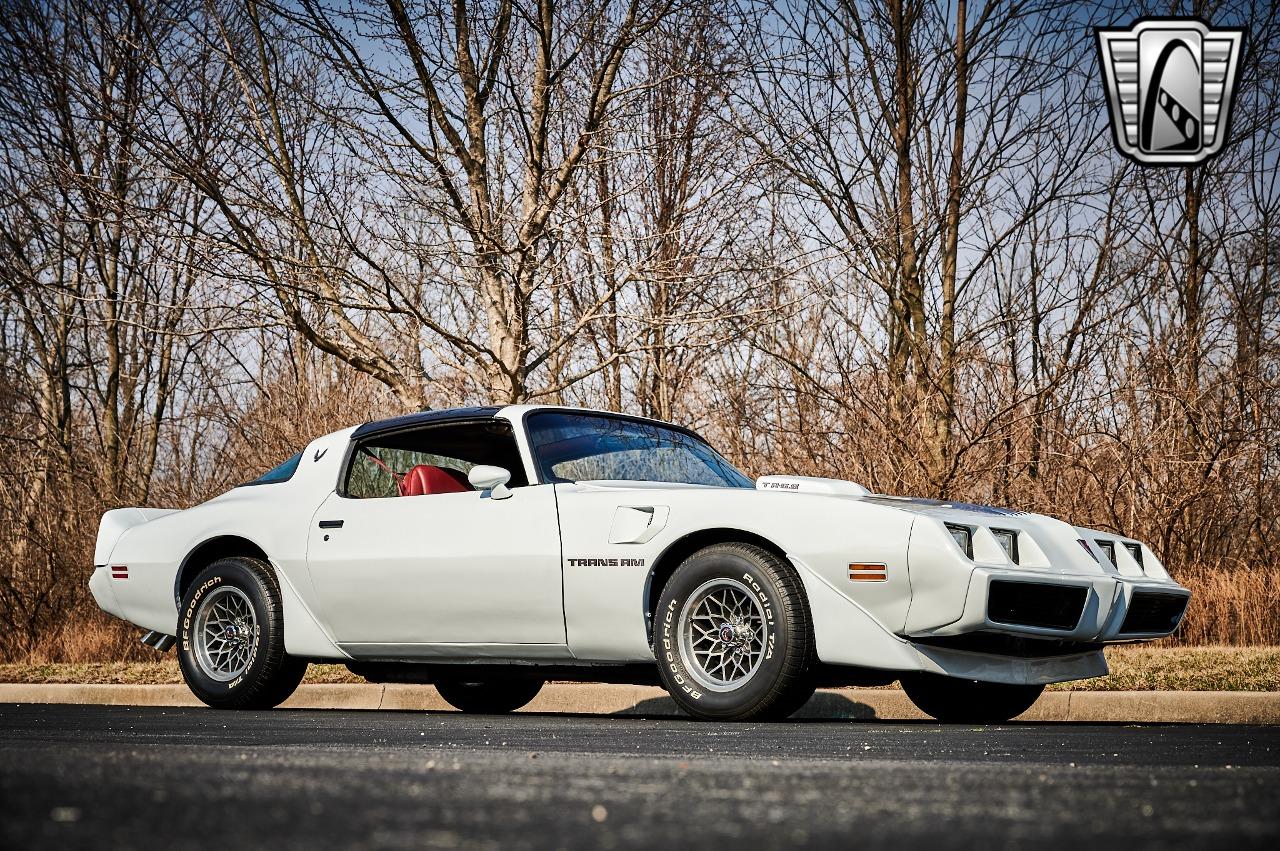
(963,536)
(1135,550)
(1008,541)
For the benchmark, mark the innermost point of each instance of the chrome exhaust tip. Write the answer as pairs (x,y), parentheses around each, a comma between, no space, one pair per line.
(159,640)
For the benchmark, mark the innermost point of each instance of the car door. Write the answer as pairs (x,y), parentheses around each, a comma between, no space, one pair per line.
(401,574)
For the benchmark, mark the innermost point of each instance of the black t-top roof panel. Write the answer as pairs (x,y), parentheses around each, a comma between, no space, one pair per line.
(423,418)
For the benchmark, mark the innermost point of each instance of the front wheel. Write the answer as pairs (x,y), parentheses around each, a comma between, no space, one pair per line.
(488,697)
(231,636)
(733,638)
(969,701)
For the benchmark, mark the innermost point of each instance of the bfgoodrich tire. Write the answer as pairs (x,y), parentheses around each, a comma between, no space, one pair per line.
(969,701)
(488,697)
(231,638)
(733,637)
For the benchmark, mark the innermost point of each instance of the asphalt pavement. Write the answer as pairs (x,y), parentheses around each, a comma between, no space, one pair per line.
(177,778)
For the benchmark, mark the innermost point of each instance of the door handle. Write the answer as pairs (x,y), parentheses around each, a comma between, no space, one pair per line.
(330,524)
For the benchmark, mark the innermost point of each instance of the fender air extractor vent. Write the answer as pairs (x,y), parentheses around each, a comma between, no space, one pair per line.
(1036,605)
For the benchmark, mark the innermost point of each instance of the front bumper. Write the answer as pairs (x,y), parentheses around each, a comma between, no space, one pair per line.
(1065,620)
(1067,607)
(998,668)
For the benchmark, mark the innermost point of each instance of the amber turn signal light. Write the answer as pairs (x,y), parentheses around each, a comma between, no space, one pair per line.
(868,572)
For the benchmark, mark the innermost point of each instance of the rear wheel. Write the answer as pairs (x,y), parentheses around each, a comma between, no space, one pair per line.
(488,697)
(231,638)
(733,638)
(969,701)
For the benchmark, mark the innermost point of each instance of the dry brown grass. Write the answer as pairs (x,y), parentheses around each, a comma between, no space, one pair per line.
(95,637)
(1240,607)
(1216,668)
(1133,668)
(158,671)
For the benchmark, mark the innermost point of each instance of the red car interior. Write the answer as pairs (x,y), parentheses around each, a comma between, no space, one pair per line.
(426,479)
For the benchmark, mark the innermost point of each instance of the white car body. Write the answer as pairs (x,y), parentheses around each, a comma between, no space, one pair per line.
(566,574)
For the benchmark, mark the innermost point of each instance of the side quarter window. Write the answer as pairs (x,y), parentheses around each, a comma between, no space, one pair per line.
(430,460)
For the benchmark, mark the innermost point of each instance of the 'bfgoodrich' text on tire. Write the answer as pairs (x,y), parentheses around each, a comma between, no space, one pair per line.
(231,637)
(733,636)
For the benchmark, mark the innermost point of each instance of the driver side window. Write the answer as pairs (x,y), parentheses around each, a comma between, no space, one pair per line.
(431,460)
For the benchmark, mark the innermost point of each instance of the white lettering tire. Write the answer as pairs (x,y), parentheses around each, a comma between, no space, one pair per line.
(733,637)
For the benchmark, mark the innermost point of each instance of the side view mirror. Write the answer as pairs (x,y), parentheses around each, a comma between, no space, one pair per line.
(484,477)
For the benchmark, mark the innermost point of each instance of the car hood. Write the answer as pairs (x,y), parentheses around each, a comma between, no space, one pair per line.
(853,490)
(943,507)
(1060,543)
(838,488)
(942,510)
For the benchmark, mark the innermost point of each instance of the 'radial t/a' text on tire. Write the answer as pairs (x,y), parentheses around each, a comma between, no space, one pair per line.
(231,637)
(732,635)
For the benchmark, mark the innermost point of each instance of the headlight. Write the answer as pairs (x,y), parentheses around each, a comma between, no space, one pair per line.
(963,536)
(1008,540)
(1135,550)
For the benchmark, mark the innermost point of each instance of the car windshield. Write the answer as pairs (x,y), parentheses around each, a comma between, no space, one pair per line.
(585,447)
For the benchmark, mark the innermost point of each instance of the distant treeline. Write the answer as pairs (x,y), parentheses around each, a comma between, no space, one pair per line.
(887,241)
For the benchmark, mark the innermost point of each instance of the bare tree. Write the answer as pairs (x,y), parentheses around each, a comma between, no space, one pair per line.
(475,123)
(887,241)
(96,275)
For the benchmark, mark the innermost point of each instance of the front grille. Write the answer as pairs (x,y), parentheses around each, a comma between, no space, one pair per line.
(1150,612)
(1032,604)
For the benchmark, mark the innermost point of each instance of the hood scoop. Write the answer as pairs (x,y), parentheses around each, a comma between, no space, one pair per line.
(810,484)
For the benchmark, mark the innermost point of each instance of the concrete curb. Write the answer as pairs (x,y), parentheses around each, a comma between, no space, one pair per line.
(1202,707)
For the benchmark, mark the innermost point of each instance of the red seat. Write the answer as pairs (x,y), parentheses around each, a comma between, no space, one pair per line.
(426,479)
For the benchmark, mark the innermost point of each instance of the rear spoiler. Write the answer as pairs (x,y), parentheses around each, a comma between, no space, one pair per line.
(116,522)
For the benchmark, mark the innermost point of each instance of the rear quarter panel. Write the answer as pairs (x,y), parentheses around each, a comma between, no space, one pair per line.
(276,517)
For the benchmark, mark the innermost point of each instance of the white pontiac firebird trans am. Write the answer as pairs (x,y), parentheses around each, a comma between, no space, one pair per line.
(486,551)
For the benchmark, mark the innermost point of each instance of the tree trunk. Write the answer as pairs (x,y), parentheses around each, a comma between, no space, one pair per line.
(943,409)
